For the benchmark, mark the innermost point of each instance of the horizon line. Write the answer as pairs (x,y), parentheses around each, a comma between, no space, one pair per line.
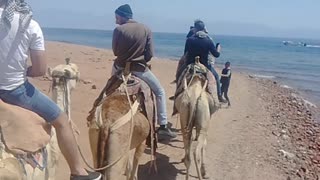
(218,34)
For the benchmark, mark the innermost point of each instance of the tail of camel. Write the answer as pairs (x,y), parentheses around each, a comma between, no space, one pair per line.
(195,106)
(13,167)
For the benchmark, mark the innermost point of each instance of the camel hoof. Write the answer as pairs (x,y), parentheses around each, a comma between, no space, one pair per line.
(204,173)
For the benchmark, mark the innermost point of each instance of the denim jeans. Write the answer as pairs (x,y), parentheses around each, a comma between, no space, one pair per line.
(216,76)
(156,88)
(29,97)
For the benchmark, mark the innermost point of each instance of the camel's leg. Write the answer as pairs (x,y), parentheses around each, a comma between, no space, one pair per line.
(187,147)
(197,154)
(138,153)
(129,165)
(202,117)
(116,171)
(114,151)
(187,138)
(53,156)
(203,160)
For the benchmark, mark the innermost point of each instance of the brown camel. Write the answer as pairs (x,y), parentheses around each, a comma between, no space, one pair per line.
(195,106)
(118,128)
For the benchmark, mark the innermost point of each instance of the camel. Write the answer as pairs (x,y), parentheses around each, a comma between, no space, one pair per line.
(118,129)
(12,165)
(195,106)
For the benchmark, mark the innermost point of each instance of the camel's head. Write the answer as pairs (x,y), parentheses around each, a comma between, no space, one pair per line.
(64,74)
(64,79)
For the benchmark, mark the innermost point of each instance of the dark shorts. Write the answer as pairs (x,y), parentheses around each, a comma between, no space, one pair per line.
(28,97)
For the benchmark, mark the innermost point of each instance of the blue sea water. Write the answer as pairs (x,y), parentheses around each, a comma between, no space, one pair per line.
(295,66)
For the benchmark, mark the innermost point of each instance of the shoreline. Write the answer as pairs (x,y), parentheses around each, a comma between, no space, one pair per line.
(304,93)
(266,121)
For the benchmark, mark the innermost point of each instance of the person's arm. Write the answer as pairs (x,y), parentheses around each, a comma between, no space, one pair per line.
(215,52)
(187,46)
(226,75)
(37,51)
(39,64)
(115,40)
(148,54)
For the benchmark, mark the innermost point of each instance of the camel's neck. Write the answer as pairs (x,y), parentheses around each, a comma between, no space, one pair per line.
(61,95)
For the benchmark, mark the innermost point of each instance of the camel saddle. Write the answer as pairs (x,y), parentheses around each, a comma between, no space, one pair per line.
(135,87)
(22,131)
(188,73)
(196,70)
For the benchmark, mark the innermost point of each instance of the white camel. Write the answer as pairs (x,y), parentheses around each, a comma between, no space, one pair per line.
(195,106)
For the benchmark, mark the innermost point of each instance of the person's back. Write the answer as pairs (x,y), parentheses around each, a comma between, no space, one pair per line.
(15,46)
(198,45)
(130,42)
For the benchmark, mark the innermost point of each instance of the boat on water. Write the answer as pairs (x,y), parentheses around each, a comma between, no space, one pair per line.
(291,43)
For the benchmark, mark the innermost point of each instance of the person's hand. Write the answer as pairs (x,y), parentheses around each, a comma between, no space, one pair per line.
(218,47)
(149,66)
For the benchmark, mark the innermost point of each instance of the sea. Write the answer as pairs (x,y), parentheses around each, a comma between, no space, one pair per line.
(295,63)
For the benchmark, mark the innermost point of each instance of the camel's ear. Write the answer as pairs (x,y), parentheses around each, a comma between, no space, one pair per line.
(197,60)
(49,72)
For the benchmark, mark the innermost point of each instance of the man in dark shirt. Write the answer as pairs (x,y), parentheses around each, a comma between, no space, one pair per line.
(201,45)
(225,81)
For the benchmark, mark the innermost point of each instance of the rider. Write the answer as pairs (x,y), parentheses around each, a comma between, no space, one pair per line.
(200,44)
(19,36)
(132,41)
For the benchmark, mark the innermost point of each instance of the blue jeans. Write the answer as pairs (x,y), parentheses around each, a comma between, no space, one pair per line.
(157,89)
(28,97)
(216,76)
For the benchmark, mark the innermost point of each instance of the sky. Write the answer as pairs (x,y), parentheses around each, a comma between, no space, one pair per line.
(277,18)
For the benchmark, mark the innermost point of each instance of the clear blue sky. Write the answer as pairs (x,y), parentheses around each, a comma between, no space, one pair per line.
(293,18)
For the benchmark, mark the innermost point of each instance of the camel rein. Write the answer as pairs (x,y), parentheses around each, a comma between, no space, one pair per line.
(113,128)
(189,127)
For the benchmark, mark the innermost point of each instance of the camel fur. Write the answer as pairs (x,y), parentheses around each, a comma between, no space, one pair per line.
(195,106)
(115,121)
(11,167)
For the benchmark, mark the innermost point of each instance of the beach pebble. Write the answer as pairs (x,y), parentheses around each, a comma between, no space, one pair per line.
(86,81)
(287,154)
(276,133)
(94,87)
(285,137)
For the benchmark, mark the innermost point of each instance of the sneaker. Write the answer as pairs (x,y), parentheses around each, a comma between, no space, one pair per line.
(90,176)
(166,132)
(221,99)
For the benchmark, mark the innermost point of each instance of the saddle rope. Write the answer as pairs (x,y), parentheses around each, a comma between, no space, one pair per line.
(130,135)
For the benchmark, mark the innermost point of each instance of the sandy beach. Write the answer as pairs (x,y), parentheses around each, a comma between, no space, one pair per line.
(269,132)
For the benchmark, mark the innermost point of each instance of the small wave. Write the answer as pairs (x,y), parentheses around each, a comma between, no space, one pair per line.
(304,100)
(286,86)
(63,41)
(313,46)
(262,76)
